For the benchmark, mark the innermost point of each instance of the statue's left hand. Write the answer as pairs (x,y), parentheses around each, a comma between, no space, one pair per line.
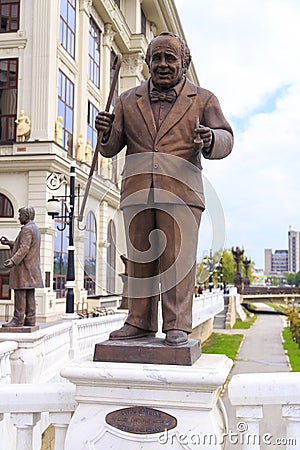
(206,136)
(8,264)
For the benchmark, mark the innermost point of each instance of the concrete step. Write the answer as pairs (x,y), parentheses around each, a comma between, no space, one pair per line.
(219,321)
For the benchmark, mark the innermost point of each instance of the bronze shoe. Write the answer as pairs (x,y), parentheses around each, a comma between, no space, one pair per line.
(176,338)
(14,323)
(130,332)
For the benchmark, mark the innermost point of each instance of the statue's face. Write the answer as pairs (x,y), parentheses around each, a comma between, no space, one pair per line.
(23,218)
(165,65)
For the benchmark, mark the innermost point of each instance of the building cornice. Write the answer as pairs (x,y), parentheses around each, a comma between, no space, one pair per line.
(13,40)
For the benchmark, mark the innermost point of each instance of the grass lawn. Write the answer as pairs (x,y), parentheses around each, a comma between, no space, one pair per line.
(247,324)
(227,344)
(292,349)
(279,307)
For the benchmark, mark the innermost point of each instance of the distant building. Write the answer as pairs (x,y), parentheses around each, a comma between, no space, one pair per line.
(276,263)
(294,251)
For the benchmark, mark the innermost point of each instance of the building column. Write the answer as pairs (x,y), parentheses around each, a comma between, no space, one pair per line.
(43,61)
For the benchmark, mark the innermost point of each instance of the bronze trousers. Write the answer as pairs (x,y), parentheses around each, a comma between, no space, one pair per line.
(161,249)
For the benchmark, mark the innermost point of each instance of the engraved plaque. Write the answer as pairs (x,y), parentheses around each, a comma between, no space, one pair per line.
(141,420)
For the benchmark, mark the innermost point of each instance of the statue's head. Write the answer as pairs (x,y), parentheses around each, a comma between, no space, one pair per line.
(168,58)
(26,213)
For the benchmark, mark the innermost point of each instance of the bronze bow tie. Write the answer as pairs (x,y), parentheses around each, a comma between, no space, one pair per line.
(168,96)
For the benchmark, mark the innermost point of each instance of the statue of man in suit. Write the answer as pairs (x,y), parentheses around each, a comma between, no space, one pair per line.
(25,271)
(167,124)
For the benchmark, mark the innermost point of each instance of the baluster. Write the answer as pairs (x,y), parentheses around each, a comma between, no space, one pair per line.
(2,370)
(60,421)
(248,426)
(24,423)
(7,368)
(292,415)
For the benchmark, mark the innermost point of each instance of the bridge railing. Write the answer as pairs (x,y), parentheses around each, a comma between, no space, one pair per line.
(270,290)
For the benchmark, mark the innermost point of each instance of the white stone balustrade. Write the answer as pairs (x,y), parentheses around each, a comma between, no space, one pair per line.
(250,392)
(6,349)
(30,408)
(39,356)
(206,306)
(88,332)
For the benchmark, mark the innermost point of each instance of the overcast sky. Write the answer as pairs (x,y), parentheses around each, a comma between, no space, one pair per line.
(247,52)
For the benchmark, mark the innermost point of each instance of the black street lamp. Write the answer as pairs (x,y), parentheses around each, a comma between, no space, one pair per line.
(54,182)
(220,273)
(209,265)
(246,263)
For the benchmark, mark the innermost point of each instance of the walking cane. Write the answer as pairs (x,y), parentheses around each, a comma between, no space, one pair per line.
(116,67)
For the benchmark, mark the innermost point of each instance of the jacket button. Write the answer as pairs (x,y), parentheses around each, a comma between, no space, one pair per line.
(156,149)
(155,166)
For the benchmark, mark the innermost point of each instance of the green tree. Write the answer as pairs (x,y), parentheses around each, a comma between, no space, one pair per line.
(291,278)
(297,279)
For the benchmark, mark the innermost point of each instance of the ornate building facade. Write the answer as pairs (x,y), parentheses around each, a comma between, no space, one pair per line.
(56,61)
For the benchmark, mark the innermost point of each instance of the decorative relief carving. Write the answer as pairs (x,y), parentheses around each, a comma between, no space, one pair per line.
(108,35)
(132,64)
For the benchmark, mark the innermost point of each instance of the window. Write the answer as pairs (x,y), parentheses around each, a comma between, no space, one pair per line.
(8,99)
(6,207)
(94,53)
(90,254)
(4,275)
(143,22)
(91,131)
(111,258)
(66,110)
(61,242)
(6,210)
(67,25)
(9,15)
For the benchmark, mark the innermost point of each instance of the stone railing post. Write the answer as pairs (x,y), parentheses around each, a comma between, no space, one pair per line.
(292,415)
(248,426)
(24,423)
(60,421)
(6,349)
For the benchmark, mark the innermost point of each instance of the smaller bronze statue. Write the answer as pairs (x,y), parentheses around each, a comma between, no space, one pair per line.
(25,271)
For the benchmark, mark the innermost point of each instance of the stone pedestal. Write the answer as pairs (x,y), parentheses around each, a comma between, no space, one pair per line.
(134,406)
(147,350)
(24,329)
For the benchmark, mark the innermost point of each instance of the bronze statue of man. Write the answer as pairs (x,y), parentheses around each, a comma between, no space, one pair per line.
(25,271)
(167,123)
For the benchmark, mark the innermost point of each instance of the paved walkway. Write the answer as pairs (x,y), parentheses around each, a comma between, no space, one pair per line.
(261,351)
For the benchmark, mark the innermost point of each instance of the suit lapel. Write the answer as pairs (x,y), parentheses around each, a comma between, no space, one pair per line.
(145,108)
(182,104)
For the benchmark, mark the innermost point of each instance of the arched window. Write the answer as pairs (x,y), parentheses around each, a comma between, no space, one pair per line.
(111,258)
(90,254)
(6,207)
(7,211)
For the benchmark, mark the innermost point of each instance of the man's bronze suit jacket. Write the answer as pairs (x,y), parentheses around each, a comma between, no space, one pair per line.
(167,158)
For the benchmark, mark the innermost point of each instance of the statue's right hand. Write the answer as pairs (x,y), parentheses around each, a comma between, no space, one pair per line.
(103,121)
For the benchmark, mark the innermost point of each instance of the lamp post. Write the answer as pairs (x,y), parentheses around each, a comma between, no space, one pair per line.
(246,263)
(220,273)
(54,182)
(237,255)
(209,265)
